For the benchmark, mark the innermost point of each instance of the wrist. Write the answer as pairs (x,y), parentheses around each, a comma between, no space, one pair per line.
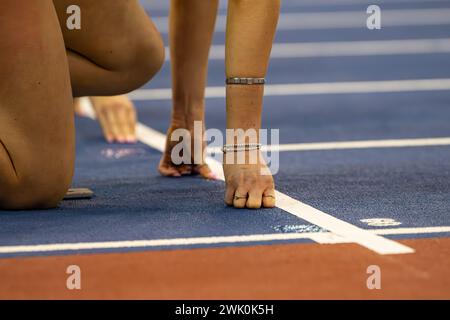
(186,113)
(244,106)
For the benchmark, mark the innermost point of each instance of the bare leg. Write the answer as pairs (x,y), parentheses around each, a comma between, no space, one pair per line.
(250,30)
(191,29)
(117,50)
(36,110)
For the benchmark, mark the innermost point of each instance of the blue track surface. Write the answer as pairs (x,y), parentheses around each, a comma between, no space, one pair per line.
(410,185)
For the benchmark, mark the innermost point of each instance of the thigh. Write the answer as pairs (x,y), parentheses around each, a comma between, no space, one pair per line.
(111,31)
(36,113)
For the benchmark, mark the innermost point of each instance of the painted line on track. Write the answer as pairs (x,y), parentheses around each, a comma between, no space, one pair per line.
(350,87)
(346,48)
(303,211)
(152,5)
(343,145)
(321,237)
(340,19)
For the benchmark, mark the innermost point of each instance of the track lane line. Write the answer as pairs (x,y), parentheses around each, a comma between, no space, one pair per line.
(288,89)
(320,237)
(414,230)
(345,145)
(345,48)
(149,243)
(340,19)
(306,212)
(339,227)
(155,5)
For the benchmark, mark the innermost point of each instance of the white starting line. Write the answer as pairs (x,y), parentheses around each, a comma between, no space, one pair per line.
(288,89)
(320,237)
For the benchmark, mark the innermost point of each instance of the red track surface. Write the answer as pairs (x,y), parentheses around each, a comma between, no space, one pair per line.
(294,271)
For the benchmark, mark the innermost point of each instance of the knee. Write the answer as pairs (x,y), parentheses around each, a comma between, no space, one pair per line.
(26,191)
(148,57)
(151,56)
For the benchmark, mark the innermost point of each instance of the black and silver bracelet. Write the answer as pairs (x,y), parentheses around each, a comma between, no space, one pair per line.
(246,81)
(241,147)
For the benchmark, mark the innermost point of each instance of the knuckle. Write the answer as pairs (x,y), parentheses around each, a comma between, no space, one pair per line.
(108,106)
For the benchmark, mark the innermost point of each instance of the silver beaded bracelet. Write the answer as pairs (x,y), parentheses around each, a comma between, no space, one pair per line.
(246,81)
(241,147)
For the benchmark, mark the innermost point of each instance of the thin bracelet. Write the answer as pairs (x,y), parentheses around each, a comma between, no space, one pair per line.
(241,147)
(245,81)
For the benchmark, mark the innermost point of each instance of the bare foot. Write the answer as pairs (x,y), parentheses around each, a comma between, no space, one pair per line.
(249,185)
(117,117)
(169,169)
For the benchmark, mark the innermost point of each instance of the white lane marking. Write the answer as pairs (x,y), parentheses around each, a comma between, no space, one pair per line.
(381,222)
(330,238)
(152,5)
(360,144)
(151,137)
(418,230)
(321,237)
(314,88)
(348,231)
(341,228)
(341,19)
(150,243)
(346,48)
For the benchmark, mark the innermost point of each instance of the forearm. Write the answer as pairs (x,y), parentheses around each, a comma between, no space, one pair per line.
(191,30)
(251,28)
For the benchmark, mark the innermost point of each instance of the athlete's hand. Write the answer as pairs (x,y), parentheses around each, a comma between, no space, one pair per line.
(249,185)
(169,169)
(117,117)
